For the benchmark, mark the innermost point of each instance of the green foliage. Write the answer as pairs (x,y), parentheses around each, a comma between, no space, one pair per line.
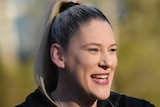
(139,65)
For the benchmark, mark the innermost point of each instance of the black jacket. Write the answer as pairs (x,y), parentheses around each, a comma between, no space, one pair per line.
(37,99)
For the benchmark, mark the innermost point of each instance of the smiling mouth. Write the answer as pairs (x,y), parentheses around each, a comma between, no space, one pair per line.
(101,79)
(103,76)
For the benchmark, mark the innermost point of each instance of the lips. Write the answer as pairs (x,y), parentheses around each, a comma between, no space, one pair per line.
(101,79)
(100,76)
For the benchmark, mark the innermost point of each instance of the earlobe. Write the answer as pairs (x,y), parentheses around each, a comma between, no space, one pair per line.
(56,54)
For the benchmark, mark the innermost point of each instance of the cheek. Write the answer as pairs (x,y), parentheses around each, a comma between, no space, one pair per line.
(114,61)
(81,60)
(88,60)
(82,56)
(82,65)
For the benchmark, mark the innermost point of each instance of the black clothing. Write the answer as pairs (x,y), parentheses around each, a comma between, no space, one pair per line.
(37,99)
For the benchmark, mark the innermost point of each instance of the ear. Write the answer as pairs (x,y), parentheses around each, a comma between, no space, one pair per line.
(57,57)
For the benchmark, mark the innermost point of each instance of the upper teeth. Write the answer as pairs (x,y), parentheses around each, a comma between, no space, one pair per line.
(101,76)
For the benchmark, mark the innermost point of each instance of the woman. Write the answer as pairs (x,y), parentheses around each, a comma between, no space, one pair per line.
(76,61)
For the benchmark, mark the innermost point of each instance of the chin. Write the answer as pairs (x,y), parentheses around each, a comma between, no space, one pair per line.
(104,96)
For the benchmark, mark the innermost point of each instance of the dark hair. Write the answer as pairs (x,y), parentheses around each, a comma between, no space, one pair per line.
(67,23)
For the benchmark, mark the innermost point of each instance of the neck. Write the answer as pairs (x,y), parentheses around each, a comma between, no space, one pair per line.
(69,101)
(66,96)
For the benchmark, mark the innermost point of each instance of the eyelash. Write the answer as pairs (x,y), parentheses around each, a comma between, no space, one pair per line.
(93,49)
(112,50)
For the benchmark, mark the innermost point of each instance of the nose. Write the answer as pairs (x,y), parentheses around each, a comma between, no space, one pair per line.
(105,61)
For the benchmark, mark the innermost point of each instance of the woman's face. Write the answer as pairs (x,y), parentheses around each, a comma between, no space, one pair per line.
(91,60)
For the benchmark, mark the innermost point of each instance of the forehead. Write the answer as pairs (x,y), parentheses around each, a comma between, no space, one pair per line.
(96,31)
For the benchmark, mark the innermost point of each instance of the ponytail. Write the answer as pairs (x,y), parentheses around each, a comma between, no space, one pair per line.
(46,73)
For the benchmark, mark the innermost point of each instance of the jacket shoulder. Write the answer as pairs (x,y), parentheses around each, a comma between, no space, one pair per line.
(36,99)
(121,100)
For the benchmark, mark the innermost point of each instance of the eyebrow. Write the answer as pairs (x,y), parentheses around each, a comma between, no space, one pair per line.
(114,44)
(97,44)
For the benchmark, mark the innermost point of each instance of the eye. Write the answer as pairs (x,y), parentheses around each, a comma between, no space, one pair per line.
(112,50)
(93,50)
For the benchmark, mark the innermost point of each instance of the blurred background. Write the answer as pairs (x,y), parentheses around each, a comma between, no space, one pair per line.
(135,23)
